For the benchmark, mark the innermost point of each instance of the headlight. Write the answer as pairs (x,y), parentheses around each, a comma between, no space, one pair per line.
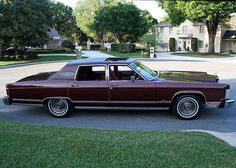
(227,93)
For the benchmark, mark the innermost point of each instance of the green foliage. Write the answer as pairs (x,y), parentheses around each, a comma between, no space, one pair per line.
(149,40)
(68,44)
(123,47)
(194,44)
(116,19)
(63,19)
(95,47)
(172,44)
(175,14)
(25,22)
(22,56)
(85,12)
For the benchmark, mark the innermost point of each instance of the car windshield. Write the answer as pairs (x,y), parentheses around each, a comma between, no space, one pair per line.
(144,71)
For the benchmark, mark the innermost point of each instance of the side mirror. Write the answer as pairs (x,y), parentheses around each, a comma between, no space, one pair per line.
(132,78)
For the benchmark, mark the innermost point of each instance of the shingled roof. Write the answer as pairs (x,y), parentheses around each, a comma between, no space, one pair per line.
(229,35)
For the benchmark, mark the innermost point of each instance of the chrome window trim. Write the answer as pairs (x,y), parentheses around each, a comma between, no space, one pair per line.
(124,65)
(77,69)
(118,102)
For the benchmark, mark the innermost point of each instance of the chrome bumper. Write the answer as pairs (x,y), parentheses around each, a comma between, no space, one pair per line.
(6,100)
(225,102)
(222,104)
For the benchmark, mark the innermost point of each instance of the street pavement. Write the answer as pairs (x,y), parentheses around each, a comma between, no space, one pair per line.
(221,121)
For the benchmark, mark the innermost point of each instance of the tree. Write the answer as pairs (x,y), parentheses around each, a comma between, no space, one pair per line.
(25,22)
(85,13)
(175,14)
(212,13)
(63,19)
(125,21)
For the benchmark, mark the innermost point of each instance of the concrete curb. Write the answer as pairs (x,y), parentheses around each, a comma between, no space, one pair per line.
(229,138)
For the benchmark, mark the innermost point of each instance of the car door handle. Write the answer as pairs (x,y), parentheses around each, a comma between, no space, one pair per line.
(74,84)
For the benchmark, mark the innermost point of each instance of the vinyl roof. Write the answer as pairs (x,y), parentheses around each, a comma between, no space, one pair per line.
(109,60)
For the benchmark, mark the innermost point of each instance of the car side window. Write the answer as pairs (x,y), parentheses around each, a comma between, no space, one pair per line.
(91,73)
(122,72)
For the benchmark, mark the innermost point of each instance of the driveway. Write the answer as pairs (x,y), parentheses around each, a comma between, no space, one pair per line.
(220,120)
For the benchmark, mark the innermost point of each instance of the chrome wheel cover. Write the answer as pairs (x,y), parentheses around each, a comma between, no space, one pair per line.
(58,107)
(187,107)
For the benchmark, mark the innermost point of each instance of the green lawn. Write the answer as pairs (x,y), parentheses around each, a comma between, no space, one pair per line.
(202,55)
(136,54)
(27,145)
(40,59)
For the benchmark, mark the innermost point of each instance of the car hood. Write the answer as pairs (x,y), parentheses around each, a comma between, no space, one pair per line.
(187,76)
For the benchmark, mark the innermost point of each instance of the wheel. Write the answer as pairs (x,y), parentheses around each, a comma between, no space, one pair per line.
(59,107)
(187,106)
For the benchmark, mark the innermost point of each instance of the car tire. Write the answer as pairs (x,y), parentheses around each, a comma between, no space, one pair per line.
(187,107)
(59,107)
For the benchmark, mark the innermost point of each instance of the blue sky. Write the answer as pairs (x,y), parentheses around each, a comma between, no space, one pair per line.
(149,5)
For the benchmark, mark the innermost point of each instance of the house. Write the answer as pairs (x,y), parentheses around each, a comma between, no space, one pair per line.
(55,40)
(225,39)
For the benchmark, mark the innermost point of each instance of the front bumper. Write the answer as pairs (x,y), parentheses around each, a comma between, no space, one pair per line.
(225,102)
(6,100)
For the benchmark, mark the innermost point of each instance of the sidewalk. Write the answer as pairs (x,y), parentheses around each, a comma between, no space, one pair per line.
(89,54)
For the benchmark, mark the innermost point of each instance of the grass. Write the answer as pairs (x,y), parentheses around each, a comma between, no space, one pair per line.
(203,55)
(27,145)
(136,54)
(40,59)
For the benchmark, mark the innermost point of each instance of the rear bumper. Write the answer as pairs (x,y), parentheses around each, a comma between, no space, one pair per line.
(6,100)
(225,102)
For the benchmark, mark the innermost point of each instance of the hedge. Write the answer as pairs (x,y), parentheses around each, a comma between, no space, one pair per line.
(194,44)
(22,56)
(95,46)
(123,47)
(172,44)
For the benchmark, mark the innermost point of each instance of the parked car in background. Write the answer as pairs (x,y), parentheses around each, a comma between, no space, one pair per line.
(119,82)
(11,51)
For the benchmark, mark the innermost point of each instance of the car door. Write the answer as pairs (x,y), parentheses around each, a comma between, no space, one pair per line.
(124,89)
(90,85)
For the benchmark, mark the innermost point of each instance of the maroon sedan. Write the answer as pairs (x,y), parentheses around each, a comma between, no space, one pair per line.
(119,82)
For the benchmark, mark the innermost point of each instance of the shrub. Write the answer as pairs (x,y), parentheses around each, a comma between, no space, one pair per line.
(172,44)
(103,49)
(123,47)
(68,44)
(48,51)
(95,46)
(194,44)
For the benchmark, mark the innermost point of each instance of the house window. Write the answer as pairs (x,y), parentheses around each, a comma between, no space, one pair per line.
(200,44)
(161,30)
(201,29)
(170,30)
(184,29)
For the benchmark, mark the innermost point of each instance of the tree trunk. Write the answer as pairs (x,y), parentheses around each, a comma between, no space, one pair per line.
(16,50)
(212,26)
(211,45)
